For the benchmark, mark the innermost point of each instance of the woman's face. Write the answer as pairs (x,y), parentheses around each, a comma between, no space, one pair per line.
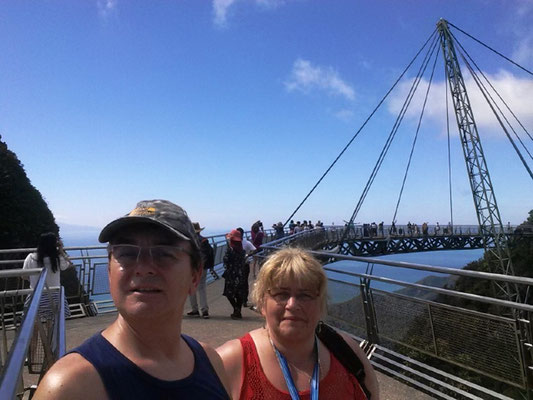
(292,311)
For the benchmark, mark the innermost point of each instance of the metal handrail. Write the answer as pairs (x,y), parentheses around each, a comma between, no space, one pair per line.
(15,273)
(61,335)
(15,362)
(449,292)
(423,267)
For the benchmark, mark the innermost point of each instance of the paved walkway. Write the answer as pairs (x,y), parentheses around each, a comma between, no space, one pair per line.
(218,329)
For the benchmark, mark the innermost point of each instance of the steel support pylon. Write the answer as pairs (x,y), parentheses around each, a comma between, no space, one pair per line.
(488,215)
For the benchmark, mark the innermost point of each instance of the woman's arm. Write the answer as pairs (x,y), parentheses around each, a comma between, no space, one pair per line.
(64,262)
(231,354)
(216,362)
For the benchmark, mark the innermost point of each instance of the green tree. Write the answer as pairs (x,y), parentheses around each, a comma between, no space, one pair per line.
(24,214)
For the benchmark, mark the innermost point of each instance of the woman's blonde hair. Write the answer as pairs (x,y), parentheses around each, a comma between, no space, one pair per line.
(290,264)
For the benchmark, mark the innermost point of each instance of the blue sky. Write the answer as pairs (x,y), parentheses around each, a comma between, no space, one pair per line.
(233,109)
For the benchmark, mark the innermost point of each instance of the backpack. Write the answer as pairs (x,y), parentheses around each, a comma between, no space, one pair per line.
(342,352)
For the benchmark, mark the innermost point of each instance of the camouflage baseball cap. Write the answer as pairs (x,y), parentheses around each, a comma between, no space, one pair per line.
(162,213)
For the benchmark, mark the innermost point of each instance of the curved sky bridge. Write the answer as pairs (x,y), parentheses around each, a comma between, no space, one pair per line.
(360,243)
(492,234)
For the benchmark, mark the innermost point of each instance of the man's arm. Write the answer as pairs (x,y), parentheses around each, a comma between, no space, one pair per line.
(71,377)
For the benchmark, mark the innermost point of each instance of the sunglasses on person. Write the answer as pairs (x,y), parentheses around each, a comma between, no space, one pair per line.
(128,255)
(282,296)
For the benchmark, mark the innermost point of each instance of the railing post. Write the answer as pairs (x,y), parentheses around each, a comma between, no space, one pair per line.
(524,333)
(370,315)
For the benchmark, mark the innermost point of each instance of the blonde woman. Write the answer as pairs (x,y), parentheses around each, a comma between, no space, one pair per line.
(285,360)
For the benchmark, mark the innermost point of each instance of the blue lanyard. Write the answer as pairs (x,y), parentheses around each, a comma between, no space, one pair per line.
(288,377)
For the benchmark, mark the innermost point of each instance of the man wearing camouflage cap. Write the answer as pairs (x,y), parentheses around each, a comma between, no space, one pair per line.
(154,264)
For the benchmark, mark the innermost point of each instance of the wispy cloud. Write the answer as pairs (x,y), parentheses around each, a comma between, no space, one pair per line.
(220,11)
(520,25)
(222,7)
(344,114)
(517,93)
(306,77)
(106,8)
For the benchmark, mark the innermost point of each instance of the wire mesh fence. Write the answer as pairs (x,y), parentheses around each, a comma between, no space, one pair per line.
(483,343)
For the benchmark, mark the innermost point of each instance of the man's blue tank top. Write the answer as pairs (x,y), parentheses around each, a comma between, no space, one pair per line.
(125,380)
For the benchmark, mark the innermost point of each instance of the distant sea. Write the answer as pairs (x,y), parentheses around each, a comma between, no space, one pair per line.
(89,236)
(443,258)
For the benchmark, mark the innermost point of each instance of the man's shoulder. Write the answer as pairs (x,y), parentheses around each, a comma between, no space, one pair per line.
(71,377)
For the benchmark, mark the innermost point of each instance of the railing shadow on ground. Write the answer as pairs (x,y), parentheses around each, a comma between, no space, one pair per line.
(418,336)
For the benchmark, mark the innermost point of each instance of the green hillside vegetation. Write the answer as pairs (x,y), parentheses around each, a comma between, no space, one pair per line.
(473,333)
(521,250)
(24,215)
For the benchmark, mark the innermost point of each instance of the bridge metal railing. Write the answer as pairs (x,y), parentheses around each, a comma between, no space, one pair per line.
(90,264)
(30,336)
(476,351)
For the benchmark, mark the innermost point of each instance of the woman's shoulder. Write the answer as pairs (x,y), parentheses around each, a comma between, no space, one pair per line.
(233,349)
(30,258)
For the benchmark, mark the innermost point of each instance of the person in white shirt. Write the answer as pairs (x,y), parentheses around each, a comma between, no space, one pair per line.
(49,256)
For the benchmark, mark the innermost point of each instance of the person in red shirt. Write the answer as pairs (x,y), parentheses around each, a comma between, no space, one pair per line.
(285,359)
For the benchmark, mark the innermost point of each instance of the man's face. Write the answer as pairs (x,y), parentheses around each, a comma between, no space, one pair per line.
(149,289)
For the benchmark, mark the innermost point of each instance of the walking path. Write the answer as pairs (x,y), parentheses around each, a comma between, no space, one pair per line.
(218,329)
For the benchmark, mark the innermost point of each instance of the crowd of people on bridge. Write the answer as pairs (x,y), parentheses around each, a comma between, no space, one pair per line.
(410,229)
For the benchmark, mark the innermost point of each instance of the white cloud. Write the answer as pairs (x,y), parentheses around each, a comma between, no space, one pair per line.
(517,93)
(106,7)
(221,8)
(344,114)
(306,77)
(521,27)
(523,52)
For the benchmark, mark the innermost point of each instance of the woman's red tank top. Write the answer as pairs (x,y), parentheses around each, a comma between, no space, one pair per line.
(337,384)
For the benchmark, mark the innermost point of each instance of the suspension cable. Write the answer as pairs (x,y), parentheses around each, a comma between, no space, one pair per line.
(483,91)
(500,97)
(434,33)
(416,136)
(392,134)
(490,48)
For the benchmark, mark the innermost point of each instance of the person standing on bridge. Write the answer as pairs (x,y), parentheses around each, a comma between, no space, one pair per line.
(257,234)
(154,264)
(208,259)
(234,281)
(294,353)
(49,255)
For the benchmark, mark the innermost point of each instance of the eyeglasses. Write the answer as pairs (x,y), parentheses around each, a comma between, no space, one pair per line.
(282,296)
(128,255)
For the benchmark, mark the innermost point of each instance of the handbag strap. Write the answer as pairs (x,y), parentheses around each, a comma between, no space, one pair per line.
(342,352)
